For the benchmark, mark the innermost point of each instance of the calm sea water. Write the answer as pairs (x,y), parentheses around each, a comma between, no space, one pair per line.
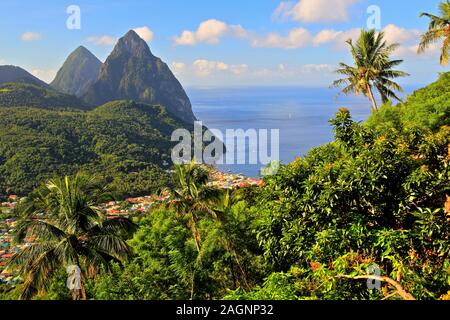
(301,115)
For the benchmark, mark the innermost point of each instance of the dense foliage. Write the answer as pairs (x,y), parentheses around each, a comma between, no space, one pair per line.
(68,231)
(370,203)
(363,217)
(125,142)
(30,95)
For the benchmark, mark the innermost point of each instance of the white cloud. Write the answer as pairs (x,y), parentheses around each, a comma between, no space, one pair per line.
(283,11)
(408,40)
(395,34)
(30,36)
(210,31)
(44,75)
(102,40)
(213,70)
(178,68)
(297,38)
(339,38)
(205,68)
(283,71)
(145,33)
(315,10)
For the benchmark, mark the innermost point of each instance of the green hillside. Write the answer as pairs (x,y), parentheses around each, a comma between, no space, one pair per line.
(17,74)
(369,203)
(31,95)
(428,107)
(125,142)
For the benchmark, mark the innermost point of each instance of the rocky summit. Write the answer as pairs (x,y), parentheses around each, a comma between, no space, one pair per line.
(132,72)
(78,73)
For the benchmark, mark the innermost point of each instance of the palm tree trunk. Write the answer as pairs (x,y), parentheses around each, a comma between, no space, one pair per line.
(196,232)
(75,294)
(192,285)
(83,291)
(372,99)
(230,248)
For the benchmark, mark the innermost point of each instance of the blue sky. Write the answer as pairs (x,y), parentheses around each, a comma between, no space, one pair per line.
(217,43)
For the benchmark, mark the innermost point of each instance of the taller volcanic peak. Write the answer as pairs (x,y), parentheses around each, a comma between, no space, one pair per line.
(132,72)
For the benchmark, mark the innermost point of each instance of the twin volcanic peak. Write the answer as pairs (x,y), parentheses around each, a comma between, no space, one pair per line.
(132,72)
(79,72)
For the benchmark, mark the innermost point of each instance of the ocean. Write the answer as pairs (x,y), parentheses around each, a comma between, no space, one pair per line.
(301,115)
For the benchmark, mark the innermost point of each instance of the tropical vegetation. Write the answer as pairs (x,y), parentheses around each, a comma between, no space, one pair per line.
(438,30)
(63,227)
(373,69)
(363,217)
(124,142)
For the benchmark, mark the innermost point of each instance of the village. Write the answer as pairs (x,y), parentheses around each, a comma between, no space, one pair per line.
(128,208)
(7,223)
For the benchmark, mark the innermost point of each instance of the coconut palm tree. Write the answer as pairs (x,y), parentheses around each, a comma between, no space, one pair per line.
(192,196)
(373,69)
(224,213)
(61,227)
(439,29)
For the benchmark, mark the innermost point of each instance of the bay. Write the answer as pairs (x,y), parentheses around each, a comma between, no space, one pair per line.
(301,115)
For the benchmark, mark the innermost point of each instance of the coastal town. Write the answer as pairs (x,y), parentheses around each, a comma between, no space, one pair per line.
(126,208)
(7,223)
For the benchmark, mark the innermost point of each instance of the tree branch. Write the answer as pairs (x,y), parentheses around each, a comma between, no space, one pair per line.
(402,292)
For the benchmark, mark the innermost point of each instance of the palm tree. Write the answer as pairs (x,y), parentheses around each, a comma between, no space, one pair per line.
(438,29)
(192,196)
(224,213)
(61,226)
(373,69)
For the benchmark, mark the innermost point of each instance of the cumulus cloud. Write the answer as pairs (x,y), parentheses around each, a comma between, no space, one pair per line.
(44,75)
(315,10)
(178,68)
(408,40)
(145,33)
(210,31)
(205,68)
(202,68)
(283,71)
(297,38)
(30,36)
(210,69)
(102,40)
(395,34)
(338,38)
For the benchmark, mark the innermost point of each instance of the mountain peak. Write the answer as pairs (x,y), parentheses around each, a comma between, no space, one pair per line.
(81,49)
(133,44)
(132,72)
(131,34)
(78,72)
